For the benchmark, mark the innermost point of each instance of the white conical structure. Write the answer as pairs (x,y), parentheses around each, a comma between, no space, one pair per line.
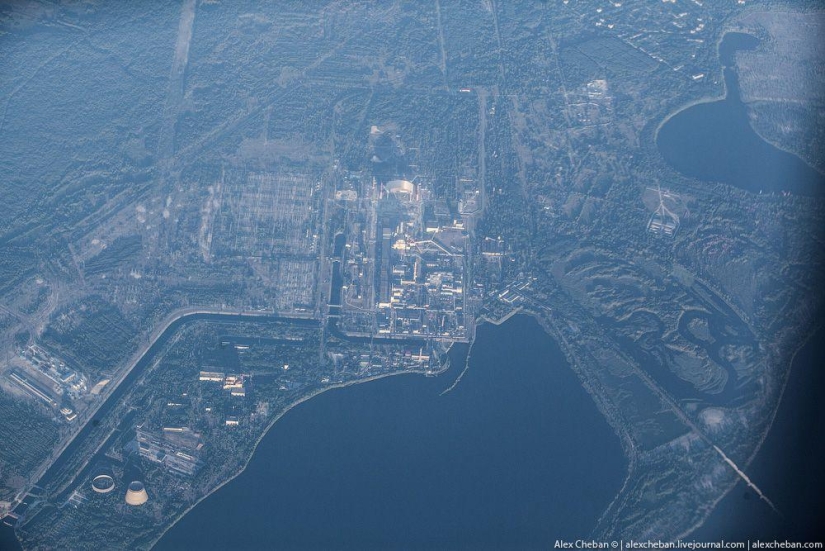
(136,494)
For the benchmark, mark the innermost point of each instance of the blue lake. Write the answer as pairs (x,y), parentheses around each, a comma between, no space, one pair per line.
(714,141)
(515,456)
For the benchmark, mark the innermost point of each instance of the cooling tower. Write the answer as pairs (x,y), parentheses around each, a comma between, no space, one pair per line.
(136,494)
(103,483)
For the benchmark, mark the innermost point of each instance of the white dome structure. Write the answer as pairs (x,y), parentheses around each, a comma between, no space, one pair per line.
(403,189)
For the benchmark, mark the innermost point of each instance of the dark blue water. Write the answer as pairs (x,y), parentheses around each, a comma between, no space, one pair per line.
(337,284)
(8,542)
(788,467)
(514,457)
(714,141)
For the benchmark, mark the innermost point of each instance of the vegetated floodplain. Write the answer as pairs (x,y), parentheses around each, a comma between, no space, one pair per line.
(515,455)
(791,448)
(714,141)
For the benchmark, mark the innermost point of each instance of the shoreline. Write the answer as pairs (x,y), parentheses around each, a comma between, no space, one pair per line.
(700,100)
(805,341)
(502,319)
(114,383)
(749,105)
(625,440)
(466,364)
(626,444)
(149,341)
(550,330)
(280,415)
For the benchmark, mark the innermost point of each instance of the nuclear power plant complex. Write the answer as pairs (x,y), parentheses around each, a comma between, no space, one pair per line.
(400,271)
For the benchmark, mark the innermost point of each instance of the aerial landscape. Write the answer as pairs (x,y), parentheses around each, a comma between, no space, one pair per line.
(456,274)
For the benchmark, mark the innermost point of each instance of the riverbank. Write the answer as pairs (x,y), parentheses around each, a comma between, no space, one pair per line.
(87,416)
(272,423)
(786,464)
(715,142)
(500,461)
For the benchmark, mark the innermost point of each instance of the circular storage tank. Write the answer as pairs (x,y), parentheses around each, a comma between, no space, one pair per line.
(103,484)
(136,494)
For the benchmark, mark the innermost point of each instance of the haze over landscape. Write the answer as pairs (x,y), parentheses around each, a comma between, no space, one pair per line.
(462,274)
